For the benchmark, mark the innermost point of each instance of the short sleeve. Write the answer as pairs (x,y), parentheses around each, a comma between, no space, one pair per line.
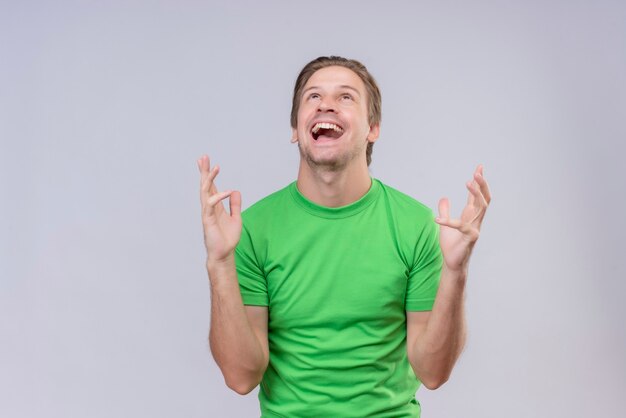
(425,273)
(252,281)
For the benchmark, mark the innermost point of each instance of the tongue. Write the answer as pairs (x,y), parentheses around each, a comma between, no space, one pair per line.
(328,134)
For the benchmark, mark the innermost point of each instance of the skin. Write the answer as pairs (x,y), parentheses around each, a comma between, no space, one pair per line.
(334,173)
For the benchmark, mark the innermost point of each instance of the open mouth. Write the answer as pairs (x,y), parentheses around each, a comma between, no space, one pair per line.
(326,130)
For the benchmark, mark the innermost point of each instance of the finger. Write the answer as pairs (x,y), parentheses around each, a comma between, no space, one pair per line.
(470,196)
(235,205)
(444,214)
(207,186)
(469,232)
(444,208)
(484,187)
(212,174)
(477,211)
(204,163)
(476,194)
(212,186)
(478,170)
(204,167)
(216,198)
(452,223)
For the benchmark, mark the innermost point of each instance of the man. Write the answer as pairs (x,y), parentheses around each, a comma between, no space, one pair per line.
(338,294)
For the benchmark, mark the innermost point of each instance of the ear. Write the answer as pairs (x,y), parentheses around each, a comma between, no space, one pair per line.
(374,132)
(294,135)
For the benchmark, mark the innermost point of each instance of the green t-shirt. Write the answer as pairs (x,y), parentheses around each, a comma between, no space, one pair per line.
(337,282)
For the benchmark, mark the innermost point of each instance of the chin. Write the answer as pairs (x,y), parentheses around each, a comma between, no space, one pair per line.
(320,161)
(332,164)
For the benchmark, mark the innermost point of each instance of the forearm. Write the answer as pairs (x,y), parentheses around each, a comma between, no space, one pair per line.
(434,354)
(236,349)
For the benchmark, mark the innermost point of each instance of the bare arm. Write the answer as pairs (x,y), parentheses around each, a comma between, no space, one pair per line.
(435,339)
(238,335)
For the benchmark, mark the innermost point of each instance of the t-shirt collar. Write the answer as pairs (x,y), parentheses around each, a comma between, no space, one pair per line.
(338,212)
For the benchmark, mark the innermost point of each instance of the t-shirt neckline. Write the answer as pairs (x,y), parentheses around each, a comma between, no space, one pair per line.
(338,212)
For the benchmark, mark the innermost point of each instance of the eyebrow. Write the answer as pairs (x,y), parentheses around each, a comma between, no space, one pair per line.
(343,86)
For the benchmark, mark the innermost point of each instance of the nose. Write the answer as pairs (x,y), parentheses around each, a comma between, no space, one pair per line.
(326,105)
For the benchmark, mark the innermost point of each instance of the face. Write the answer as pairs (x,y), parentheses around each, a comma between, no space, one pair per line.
(333,128)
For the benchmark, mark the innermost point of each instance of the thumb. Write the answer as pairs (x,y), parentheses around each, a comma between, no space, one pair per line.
(444,208)
(235,205)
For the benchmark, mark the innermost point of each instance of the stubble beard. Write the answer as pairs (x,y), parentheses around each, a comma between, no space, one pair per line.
(337,163)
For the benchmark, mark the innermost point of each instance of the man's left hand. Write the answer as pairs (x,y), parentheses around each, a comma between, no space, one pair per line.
(458,236)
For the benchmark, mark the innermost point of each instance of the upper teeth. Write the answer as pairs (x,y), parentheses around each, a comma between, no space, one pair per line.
(324,125)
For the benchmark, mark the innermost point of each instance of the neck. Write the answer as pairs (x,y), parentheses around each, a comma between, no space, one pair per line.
(333,188)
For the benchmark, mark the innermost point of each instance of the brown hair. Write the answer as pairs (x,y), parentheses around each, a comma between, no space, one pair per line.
(373,93)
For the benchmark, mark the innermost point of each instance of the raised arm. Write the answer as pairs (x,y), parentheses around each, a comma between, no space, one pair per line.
(435,339)
(238,335)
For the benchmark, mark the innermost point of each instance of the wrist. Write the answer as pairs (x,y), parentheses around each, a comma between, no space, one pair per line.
(219,264)
(455,275)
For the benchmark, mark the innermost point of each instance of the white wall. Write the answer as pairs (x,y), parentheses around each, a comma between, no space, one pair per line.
(105,106)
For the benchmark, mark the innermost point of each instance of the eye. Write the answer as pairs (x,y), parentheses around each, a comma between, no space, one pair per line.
(314,96)
(346,96)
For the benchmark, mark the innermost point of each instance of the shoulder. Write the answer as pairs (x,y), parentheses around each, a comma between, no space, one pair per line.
(403,204)
(269,203)
(412,222)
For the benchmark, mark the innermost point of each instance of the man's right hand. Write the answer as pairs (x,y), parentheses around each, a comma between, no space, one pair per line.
(238,335)
(221,230)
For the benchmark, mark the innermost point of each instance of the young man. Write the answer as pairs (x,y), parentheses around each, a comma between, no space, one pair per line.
(338,294)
